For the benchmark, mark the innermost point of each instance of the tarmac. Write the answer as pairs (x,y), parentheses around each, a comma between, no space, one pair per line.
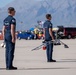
(34,62)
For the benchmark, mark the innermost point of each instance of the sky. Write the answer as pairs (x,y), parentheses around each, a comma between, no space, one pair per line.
(4,2)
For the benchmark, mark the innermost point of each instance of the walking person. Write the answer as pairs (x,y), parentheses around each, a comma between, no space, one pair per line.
(9,29)
(48,34)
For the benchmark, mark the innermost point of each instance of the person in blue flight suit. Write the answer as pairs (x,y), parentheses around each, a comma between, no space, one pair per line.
(48,34)
(9,29)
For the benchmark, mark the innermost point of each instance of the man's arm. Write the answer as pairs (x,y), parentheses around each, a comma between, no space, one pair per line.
(51,33)
(3,31)
(44,32)
(13,32)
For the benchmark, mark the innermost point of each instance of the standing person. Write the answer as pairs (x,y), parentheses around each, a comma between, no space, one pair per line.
(9,37)
(48,34)
(36,33)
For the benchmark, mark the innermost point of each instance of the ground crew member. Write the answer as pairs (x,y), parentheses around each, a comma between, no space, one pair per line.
(36,33)
(48,34)
(9,37)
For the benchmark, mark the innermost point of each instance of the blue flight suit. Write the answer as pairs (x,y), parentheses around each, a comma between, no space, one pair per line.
(48,38)
(10,47)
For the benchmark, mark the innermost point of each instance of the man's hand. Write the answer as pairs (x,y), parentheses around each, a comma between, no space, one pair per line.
(13,40)
(53,39)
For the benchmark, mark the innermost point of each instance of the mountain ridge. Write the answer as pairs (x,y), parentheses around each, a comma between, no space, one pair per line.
(28,13)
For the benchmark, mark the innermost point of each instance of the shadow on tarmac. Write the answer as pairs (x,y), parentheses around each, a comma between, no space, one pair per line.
(2,68)
(43,68)
(63,61)
(38,68)
(67,60)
